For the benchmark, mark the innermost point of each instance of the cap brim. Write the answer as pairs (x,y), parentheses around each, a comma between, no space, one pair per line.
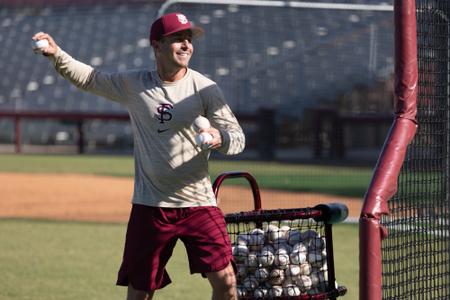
(197,32)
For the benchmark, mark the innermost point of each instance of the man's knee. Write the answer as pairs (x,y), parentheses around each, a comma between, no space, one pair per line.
(223,283)
(133,294)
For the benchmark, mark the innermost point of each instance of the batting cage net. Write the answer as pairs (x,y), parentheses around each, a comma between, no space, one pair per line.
(416,255)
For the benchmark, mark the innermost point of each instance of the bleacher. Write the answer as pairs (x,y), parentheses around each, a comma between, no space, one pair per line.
(285,59)
(109,37)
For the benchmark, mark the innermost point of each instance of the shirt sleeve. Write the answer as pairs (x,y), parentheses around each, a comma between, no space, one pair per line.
(87,78)
(221,117)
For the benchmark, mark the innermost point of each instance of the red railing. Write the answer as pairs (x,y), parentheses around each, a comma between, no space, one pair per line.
(264,118)
(78,117)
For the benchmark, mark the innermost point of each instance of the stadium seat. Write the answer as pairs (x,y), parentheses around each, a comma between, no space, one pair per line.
(283,58)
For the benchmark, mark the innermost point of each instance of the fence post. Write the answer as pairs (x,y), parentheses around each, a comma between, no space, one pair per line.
(266,134)
(17,134)
(80,136)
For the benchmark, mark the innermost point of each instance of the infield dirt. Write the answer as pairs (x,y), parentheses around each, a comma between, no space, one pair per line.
(76,197)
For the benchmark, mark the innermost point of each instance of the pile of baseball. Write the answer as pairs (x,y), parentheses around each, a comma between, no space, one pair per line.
(280,261)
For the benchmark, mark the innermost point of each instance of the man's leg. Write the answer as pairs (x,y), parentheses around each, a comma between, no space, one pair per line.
(223,283)
(133,294)
(148,246)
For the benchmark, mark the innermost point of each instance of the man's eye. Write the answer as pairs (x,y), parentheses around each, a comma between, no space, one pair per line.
(182,39)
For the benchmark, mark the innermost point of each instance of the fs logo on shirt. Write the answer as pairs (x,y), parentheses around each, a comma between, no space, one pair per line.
(164,115)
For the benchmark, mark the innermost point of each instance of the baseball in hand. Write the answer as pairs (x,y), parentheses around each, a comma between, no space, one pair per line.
(39,45)
(201,123)
(203,138)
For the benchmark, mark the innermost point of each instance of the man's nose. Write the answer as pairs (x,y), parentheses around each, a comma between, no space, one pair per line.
(185,43)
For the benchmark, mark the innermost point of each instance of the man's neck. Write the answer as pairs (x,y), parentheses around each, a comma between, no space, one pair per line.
(171,75)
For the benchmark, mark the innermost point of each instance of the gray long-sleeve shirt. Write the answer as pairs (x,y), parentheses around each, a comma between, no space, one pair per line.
(170,169)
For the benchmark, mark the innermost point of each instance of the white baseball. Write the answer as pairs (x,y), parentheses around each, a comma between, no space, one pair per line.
(324,267)
(282,246)
(316,278)
(293,271)
(268,248)
(281,260)
(282,249)
(298,257)
(291,290)
(250,283)
(284,230)
(203,138)
(305,269)
(273,233)
(322,279)
(240,252)
(256,239)
(293,237)
(315,258)
(276,277)
(280,243)
(201,123)
(40,45)
(241,291)
(309,234)
(257,231)
(316,243)
(260,293)
(266,258)
(299,247)
(275,291)
(241,271)
(287,280)
(305,283)
(261,274)
(251,261)
(242,239)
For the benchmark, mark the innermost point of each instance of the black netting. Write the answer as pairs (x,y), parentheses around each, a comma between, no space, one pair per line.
(416,263)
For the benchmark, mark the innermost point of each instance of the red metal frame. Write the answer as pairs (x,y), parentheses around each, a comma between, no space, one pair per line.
(238,174)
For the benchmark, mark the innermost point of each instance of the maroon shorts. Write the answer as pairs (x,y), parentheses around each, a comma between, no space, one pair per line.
(152,234)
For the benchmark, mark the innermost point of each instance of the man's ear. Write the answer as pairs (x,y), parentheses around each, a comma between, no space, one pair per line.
(155,45)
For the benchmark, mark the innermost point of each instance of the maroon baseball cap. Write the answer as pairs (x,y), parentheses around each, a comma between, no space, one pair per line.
(172,23)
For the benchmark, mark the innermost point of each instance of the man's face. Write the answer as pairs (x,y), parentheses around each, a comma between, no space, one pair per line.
(175,50)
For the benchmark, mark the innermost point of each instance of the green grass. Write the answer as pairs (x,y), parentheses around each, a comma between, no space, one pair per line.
(346,258)
(334,180)
(83,164)
(62,260)
(45,260)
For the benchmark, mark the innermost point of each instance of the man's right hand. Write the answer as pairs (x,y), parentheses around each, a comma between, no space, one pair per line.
(52,46)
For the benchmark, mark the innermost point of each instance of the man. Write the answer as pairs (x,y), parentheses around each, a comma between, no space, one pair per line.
(173,197)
